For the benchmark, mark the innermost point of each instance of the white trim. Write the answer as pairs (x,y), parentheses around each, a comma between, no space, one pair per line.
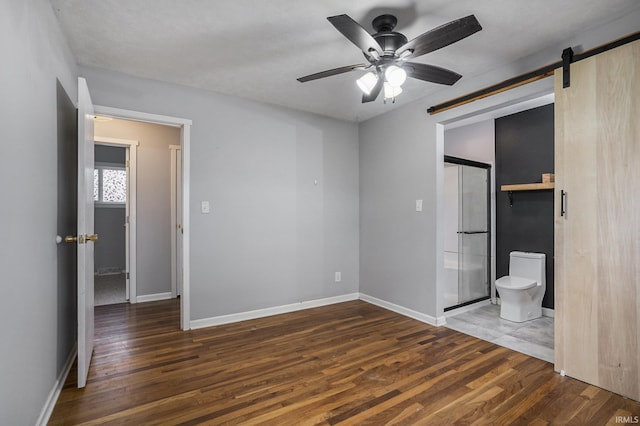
(153,297)
(546,312)
(467,308)
(115,142)
(173,158)
(428,319)
(132,201)
(185,295)
(276,310)
(185,143)
(52,399)
(141,116)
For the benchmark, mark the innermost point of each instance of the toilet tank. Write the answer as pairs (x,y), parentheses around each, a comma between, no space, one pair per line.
(527,265)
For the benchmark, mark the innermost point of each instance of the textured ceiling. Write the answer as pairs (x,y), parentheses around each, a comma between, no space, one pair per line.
(257,49)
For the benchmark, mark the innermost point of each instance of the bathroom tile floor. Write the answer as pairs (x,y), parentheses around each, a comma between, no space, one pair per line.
(109,289)
(533,338)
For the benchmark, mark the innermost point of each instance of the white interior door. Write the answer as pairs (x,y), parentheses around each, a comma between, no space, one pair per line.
(86,237)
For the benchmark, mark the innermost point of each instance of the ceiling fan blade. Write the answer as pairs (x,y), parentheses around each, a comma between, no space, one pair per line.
(374,92)
(431,73)
(441,36)
(356,34)
(329,73)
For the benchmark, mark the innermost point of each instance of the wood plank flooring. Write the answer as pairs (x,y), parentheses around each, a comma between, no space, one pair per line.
(349,363)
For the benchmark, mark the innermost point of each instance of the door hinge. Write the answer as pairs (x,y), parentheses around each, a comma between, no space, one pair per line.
(127,275)
(128,164)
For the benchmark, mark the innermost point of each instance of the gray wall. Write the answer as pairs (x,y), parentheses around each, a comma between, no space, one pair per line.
(111,250)
(401,161)
(109,221)
(273,236)
(153,255)
(34,54)
(473,142)
(110,154)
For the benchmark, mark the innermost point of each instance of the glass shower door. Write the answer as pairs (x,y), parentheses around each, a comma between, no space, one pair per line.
(473,234)
(467,232)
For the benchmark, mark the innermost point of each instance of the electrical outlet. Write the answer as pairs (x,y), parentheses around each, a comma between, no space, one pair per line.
(338,277)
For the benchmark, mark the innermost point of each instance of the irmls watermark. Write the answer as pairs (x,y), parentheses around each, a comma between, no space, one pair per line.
(628,419)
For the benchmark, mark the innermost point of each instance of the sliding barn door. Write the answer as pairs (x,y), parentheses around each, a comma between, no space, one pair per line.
(597,221)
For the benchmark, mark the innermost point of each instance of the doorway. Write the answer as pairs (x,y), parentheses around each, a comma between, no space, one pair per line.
(153,274)
(474,137)
(115,199)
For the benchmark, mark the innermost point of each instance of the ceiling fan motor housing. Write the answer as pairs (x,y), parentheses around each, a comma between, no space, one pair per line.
(388,39)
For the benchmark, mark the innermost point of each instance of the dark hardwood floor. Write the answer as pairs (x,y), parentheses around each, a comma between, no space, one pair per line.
(349,363)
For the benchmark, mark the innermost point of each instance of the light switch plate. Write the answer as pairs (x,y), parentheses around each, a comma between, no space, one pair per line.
(418,205)
(205,207)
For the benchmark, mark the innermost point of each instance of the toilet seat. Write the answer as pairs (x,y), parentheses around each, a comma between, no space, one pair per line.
(515,283)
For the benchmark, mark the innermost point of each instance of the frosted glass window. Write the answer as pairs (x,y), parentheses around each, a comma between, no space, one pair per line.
(109,185)
(114,186)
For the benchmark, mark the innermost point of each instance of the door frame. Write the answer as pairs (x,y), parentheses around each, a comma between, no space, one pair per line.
(176,219)
(185,144)
(132,198)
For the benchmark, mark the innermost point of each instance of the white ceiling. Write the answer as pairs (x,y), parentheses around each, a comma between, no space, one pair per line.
(257,48)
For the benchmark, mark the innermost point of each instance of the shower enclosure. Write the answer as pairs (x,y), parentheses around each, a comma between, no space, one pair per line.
(467,246)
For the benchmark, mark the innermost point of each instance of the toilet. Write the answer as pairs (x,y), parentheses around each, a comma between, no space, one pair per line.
(522,290)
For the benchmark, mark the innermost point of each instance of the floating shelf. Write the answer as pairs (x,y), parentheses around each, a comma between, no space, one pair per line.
(538,186)
(528,186)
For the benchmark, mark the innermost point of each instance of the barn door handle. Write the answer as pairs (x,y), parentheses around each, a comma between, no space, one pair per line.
(563,203)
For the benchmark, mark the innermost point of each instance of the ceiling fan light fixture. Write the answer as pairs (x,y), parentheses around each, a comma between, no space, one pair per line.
(395,76)
(390,91)
(367,82)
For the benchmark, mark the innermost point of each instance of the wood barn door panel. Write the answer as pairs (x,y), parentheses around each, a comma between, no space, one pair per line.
(618,231)
(598,241)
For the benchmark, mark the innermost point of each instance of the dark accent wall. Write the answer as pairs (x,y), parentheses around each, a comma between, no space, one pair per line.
(524,151)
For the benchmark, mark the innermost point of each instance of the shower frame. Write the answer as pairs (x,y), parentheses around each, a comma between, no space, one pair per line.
(465,162)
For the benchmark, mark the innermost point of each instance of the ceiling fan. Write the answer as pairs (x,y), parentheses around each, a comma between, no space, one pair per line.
(388,52)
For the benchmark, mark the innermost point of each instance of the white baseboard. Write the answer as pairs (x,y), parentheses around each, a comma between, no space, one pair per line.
(153,297)
(428,319)
(266,312)
(50,403)
(547,312)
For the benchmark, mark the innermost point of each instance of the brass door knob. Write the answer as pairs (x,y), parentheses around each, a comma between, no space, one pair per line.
(70,239)
(92,237)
